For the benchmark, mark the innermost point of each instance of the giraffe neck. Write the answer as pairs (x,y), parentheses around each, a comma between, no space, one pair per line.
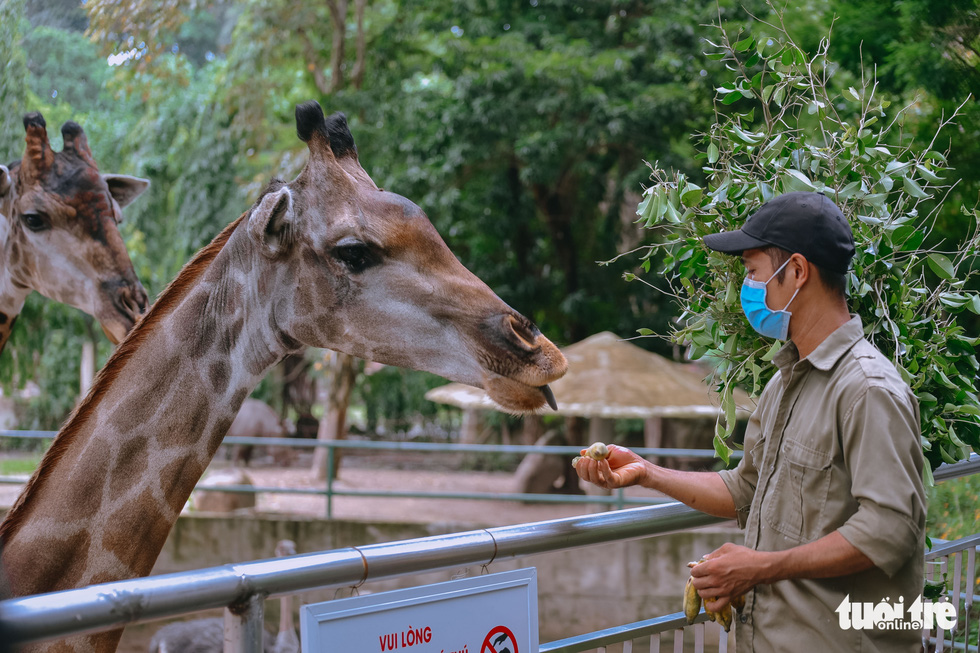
(111,486)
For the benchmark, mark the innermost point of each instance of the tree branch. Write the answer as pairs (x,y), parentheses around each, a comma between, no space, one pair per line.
(357,76)
(338,12)
(313,63)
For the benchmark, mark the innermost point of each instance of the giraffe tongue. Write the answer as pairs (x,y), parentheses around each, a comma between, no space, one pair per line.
(549,396)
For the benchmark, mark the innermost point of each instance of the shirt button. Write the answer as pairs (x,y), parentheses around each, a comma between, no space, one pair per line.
(744,618)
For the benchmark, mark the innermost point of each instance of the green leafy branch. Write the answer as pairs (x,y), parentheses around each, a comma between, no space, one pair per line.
(787,122)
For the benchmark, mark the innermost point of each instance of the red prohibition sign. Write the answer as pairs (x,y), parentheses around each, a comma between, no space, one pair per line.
(499,637)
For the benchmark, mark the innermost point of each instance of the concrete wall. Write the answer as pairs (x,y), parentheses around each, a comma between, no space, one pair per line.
(579,590)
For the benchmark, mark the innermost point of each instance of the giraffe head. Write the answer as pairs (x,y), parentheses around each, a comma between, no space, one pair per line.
(64,239)
(363,271)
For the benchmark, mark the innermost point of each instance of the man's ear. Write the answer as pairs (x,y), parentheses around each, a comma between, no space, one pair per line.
(801,269)
(4,180)
(124,189)
(270,224)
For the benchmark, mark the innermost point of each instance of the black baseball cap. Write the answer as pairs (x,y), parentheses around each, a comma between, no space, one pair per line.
(800,222)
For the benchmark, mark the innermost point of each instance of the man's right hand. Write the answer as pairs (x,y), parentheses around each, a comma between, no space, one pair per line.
(621,469)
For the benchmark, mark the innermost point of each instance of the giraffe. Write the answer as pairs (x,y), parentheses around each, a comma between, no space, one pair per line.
(326,260)
(59,233)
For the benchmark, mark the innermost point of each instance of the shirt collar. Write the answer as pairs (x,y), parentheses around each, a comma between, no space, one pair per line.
(828,352)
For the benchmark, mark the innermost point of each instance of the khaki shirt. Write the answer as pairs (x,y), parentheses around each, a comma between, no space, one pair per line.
(832,446)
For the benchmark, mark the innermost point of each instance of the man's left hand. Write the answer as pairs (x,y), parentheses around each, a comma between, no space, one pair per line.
(729,571)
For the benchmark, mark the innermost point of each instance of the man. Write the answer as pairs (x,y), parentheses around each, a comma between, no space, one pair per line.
(830,488)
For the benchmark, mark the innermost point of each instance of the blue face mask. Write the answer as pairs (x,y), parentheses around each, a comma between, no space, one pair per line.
(766,322)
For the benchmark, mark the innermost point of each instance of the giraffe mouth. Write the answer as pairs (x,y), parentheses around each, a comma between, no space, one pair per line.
(116,323)
(517,397)
(116,331)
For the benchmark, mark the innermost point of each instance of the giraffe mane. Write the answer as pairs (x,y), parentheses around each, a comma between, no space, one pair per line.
(168,300)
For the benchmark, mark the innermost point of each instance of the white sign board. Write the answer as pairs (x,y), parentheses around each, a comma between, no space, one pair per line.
(496,613)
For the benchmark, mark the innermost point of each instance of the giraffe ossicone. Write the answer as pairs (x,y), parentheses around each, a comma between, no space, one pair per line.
(325,260)
(59,232)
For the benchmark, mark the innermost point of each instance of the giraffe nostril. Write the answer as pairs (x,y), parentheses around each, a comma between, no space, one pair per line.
(140,300)
(521,332)
(130,299)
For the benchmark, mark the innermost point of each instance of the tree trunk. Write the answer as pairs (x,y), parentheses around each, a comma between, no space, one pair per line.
(533,429)
(470,430)
(87,367)
(357,76)
(333,426)
(313,63)
(298,385)
(564,220)
(653,436)
(338,12)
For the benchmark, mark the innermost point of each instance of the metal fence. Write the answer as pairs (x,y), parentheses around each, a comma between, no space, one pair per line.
(617,499)
(955,564)
(242,588)
(245,586)
(960,591)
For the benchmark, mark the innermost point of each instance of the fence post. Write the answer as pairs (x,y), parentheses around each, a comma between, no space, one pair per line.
(330,461)
(245,631)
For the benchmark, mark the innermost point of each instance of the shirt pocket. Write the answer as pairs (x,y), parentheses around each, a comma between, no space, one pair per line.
(802,483)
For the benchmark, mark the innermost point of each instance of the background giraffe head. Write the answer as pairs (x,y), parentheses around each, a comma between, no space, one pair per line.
(63,238)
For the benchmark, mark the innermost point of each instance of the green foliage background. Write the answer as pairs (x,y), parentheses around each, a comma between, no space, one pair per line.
(521,127)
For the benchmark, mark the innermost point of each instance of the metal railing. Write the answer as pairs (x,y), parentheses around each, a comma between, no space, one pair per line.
(242,588)
(617,499)
(942,554)
(945,562)
(655,629)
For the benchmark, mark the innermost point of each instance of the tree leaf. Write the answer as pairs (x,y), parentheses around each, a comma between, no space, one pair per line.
(795,180)
(691,196)
(912,188)
(941,265)
(712,153)
(974,305)
(928,174)
(732,97)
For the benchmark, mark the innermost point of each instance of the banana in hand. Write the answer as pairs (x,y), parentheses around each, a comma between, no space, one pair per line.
(692,601)
(692,604)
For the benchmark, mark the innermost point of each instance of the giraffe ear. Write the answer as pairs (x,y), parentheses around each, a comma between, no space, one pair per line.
(124,189)
(270,224)
(4,180)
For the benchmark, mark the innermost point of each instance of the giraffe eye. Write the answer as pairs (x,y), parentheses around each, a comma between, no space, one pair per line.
(35,221)
(355,255)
